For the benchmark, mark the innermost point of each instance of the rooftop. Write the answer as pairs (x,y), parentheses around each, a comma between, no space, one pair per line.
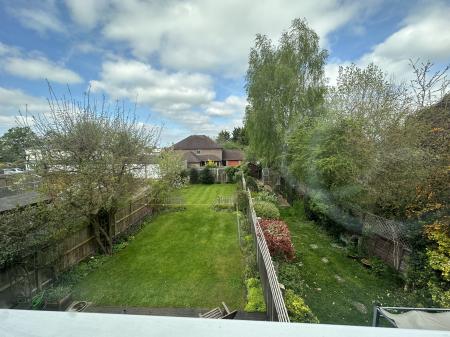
(195,142)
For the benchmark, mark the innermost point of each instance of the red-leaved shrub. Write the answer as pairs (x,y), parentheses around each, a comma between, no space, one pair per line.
(278,238)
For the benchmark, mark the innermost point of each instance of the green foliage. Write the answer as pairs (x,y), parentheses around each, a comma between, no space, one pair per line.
(255,298)
(193,176)
(266,196)
(266,210)
(236,140)
(38,301)
(29,230)
(335,157)
(242,200)
(298,310)
(330,289)
(171,168)
(206,176)
(223,137)
(76,274)
(239,136)
(14,143)
(90,156)
(55,294)
(378,267)
(231,171)
(252,184)
(285,86)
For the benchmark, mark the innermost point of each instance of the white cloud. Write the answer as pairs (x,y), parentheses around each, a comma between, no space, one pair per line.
(41,16)
(86,13)
(423,34)
(15,100)
(40,68)
(34,66)
(232,105)
(163,91)
(205,35)
(181,97)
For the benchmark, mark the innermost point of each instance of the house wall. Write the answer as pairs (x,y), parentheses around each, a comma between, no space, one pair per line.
(233,162)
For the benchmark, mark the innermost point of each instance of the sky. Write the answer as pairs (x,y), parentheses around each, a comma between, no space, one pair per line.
(183,63)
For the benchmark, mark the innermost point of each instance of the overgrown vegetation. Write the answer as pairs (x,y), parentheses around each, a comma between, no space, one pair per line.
(171,177)
(297,309)
(266,210)
(366,144)
(338,289)
(255,298)
(89,156)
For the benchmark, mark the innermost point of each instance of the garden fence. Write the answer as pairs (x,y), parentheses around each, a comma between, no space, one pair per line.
(273,296)
(21,282)
(383,238)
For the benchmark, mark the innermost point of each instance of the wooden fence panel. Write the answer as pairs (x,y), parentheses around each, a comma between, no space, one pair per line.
(73,249)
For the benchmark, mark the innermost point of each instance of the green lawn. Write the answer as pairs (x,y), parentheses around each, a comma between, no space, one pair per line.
(340,291)
(188,258)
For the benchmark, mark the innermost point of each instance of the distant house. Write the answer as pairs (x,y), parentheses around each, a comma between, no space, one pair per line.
(197,150)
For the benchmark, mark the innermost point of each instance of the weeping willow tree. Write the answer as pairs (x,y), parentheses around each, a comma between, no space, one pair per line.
(285,87)
(87,156)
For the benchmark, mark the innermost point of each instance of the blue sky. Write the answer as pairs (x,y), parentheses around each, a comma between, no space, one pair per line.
(184,62)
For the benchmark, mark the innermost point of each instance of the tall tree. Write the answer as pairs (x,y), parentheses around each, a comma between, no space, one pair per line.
(14,143)
(285,86)
(223,136)
(367,95)
(239,136)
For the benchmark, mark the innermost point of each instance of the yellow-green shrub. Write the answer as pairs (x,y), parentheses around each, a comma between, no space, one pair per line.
(298,310)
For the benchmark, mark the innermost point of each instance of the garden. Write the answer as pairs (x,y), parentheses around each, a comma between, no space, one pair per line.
(185,257)
(323,283)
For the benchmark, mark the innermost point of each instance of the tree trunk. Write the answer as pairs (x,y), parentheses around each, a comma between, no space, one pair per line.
(103,224)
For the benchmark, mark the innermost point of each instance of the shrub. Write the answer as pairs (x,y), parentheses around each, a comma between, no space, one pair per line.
(242,200)
(290,275)
(193,176)
(266,210)
(255,298)
(298,310)
(278,238)
(252,184)
(266,196)
(231,171)
(378,267)
(206,176)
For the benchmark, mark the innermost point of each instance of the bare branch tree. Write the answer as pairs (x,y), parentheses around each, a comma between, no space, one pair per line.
(428,87)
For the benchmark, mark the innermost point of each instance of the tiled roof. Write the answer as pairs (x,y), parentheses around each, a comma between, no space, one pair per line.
(206,157)
(232,155)
(191,157)
(196,142)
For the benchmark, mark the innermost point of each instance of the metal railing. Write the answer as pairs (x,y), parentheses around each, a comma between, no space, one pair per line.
(275,307)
